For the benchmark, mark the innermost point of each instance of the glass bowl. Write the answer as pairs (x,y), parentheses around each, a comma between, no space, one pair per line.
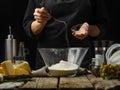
(53,56)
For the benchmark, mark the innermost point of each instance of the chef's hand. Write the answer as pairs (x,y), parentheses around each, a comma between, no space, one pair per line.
(40,72)
(41,15)
(82,32)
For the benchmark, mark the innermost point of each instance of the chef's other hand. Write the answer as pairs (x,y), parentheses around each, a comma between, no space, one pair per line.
(82,32)
(40,72)
(41,15)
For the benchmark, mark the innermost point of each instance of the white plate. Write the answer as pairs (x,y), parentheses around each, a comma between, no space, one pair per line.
(113,57)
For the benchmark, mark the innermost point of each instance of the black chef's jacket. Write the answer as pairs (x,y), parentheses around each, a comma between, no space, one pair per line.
(59,35)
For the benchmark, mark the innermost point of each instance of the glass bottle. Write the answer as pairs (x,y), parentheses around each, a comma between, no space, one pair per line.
(98,59)
(104,48)
(21,54)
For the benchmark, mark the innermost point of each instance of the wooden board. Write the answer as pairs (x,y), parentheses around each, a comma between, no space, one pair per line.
(10,85)
(80,82)
(90,76)
(102,84)
(83,82)
(41,83)
(117,84)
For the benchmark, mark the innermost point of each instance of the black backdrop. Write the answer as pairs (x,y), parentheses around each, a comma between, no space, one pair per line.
(12,12)
(114,15)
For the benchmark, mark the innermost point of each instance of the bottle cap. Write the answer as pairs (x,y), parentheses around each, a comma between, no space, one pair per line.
(10,36)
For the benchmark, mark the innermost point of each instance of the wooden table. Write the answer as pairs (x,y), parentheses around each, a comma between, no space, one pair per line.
(83,82)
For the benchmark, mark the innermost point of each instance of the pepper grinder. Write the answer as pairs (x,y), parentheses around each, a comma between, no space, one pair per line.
(10,46)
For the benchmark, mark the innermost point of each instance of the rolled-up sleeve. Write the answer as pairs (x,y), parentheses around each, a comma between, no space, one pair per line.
(29,18)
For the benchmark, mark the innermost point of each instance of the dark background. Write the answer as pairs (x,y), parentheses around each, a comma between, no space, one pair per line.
(12,12)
